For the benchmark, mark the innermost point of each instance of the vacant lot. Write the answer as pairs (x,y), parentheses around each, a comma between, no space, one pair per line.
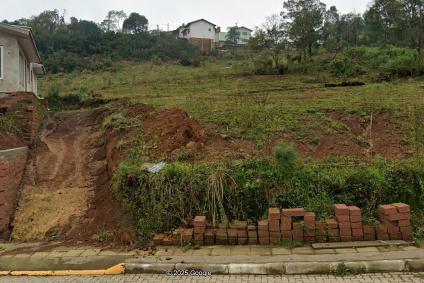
(359,122)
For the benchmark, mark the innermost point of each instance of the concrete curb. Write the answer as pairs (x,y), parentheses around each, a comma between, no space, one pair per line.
(284,268)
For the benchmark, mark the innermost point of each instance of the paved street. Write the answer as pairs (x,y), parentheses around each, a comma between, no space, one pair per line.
(378,277)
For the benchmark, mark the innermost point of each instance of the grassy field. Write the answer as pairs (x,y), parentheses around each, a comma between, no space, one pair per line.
(260,108)
(336,124)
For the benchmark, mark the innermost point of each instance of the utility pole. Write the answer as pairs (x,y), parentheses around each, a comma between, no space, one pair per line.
(167,26)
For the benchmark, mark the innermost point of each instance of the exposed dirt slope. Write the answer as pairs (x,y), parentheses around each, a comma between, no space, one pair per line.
(66,178)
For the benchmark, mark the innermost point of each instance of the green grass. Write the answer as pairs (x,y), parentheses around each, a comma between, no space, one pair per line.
(248,107)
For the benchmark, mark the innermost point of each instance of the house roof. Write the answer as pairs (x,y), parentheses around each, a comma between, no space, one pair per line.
(200,20)
(27,43)
(243,27)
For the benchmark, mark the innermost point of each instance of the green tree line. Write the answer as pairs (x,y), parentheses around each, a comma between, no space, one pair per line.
(81,44)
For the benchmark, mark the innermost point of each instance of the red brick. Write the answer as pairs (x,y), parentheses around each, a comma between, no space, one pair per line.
(274,225)
(309,233)
(369,237)
(341,209)
(274,235)
(345,225)
(346,238)
(274,213)
(251,228)
(387,209)
(199,221)
(253,241)
(287,235)
(356,225)
(404,223)
(199,230)
(393,229)
(232,233)
(309,219)
(333,232)
(242,241)
(406,229)
(286,223)
(368,229)
(354,211)
(383,236)
(252,234)
(264,241)
(355,219)
(237,224)
(293,212)
(401,207)
(307,239)
(382,229)
(357,232)
(395,236)
(345,232)
(263,225)
(241,233)
(331,223)
(297,227)
(357,238)
(198,237)
(343,218)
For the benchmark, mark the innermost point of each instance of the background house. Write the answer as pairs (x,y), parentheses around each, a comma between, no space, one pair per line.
(201,33)
(20,63)
(245,35)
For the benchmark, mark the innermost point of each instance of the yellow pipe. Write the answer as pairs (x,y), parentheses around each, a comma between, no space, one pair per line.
(114,270)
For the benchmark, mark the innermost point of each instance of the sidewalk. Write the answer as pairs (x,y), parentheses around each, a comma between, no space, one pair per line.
(215,259)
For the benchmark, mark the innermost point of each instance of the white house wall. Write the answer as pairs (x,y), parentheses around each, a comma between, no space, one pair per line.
(11,76)
(202,30)
(10,80)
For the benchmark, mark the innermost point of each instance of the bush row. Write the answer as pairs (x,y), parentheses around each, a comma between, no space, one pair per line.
(245,189)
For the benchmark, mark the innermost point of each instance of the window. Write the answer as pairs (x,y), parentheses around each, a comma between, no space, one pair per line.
(245,33)
(1,62)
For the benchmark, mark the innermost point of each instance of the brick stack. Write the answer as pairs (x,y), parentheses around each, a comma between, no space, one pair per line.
(369,232)
(396,222)
(221,236)
(321,232)
(343,220)
(332,230)
(241,230)
(297,225)
(263,232)
(210,237)
(252,235)
(274,216)
(309,233)
(293,217)
(199,224)
(355,217)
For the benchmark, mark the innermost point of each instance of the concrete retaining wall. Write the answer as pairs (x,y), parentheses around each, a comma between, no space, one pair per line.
(12,166)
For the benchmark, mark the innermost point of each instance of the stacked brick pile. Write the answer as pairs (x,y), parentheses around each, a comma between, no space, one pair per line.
(295,224)
(349,220)
(395,222)
(199,224)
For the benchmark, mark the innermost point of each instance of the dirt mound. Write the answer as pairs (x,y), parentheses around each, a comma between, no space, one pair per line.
(357,137)
(9,141)
(173,134)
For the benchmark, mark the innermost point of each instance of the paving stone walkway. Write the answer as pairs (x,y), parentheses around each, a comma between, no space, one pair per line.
(57,256)
(156,278)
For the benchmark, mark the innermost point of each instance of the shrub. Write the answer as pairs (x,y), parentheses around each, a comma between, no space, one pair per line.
(264,65)
(344,67)
(405,65)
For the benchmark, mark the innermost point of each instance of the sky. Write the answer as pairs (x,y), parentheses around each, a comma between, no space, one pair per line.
(223,13)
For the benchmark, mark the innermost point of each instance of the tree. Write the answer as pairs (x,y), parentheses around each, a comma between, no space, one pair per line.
(415,13)
(305,19)
(385,22)
(112,20)
(233,35)
(351,27)
(135,23)
(271,36)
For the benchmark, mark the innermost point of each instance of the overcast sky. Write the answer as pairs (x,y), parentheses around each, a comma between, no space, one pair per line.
(223,13)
